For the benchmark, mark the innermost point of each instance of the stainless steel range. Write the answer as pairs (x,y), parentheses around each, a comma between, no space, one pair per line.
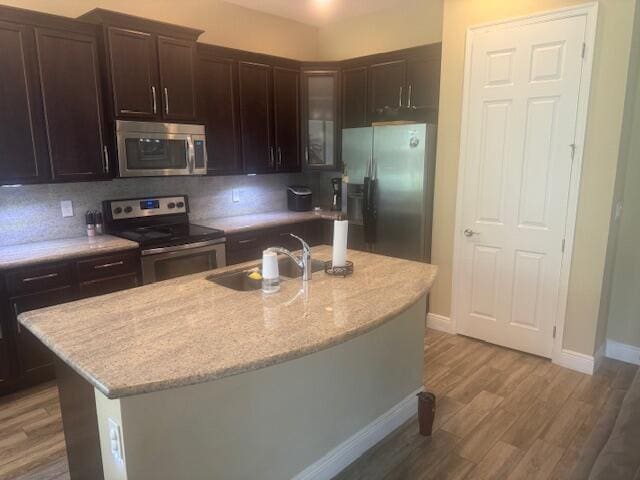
(170,245)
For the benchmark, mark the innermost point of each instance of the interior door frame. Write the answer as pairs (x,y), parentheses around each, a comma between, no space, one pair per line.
(590,12)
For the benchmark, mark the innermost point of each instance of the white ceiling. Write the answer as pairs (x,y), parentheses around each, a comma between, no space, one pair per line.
(317,12)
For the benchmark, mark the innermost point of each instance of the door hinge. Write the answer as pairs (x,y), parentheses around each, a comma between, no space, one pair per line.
(584,49)
(554,331)
(573,150)
(563,242)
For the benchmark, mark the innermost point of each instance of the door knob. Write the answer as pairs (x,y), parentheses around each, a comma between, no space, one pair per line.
(469,233)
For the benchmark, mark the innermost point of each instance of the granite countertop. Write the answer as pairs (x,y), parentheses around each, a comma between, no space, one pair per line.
(189,330)
(25,254)
(241,223)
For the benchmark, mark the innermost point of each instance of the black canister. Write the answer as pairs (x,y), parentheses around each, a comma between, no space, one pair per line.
(299,198)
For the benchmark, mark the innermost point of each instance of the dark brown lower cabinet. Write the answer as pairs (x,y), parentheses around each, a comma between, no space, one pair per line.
(24,360)
(247,246)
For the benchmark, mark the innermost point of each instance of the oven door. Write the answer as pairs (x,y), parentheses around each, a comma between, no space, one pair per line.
(169,262)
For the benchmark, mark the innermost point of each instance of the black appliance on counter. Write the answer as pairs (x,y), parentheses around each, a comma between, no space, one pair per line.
(299,198)
(170,246)
(336,197)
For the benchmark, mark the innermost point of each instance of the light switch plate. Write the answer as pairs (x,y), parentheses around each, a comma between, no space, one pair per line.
(67,208)
(235,195)
(115,439)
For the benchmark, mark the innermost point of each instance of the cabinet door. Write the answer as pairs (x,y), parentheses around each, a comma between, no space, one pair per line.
(6,372)
(286,108)
(386,86)
(218,110)
(23,151)
(134,74)
(354,97)
(72,98)
(423,83)
(255,117)
(177,77)
(35,361)
(320,118)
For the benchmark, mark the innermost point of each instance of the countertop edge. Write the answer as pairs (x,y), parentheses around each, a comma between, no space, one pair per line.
(115,392)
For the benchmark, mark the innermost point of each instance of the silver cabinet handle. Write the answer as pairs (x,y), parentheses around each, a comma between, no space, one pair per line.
(400,97)
(15,310)
(39,277)
(271,158)
(470,233)
(279,157)
(108,265)
(155,101)
(306,154)
(105,159)
(249,240)
(166,101)
(409,96)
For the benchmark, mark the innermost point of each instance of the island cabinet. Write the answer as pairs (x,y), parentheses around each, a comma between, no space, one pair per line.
(53,126)
(151,67)
(29,362)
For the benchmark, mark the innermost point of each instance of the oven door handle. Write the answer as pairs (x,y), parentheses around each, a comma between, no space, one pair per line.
(181,248)
(191,154)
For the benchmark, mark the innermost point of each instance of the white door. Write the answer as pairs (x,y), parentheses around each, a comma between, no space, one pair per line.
(520,129)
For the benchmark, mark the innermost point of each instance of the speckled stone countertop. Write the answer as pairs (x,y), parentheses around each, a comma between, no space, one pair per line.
(189,330)
(25,254)
(241,223)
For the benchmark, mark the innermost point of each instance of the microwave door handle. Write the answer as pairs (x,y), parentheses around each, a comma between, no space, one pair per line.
(191,154)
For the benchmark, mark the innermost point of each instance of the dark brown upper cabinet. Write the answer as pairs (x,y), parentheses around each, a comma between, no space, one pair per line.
(134,73)
(23,150)
(386,86)
(152,66)
(320,118)
(354,97)
(286,109)
(218,109)
(72,98)
(423,85)
(258,152)
(177,78)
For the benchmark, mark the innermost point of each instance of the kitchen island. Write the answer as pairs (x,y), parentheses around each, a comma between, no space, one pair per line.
(189,379)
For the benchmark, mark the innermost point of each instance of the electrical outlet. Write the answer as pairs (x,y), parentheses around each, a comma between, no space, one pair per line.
(115,439)
(67,208)
(235,195)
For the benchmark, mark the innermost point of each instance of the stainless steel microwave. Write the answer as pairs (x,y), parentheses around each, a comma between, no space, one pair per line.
(151,149)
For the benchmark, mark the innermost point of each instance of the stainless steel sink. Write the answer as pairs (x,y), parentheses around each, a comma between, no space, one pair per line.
(289,269)
(237,280)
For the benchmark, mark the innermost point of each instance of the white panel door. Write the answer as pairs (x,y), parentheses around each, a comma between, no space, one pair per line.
(521,121)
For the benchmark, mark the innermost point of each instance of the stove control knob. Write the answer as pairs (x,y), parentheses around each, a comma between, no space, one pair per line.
(128,209)
(171,205)
(117,210)
(180,204)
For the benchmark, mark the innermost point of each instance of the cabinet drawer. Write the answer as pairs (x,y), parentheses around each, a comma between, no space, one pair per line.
(94,288)
(38,278)
(252,240)
(107,266)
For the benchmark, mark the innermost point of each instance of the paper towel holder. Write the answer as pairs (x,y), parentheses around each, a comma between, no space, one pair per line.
(342,271)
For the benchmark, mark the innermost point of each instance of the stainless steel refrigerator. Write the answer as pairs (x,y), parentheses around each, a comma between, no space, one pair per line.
(387,189)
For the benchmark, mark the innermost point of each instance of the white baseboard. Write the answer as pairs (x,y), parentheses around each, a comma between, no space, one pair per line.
(623,352)
(575,361)
(440,322)
(351,449)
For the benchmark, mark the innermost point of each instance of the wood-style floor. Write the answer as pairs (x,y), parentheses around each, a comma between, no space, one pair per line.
(500,414)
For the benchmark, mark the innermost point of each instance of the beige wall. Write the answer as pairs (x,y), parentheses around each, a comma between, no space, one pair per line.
(417,22)
(600,152)
(623,303)
(224,23)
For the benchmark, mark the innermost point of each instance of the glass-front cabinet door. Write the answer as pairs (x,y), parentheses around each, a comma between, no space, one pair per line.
(320,104)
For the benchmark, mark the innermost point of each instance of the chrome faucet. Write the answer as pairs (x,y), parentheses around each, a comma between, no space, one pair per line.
(304,262)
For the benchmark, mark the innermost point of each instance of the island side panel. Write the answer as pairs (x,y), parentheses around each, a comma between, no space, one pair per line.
(274,422)
(80,422)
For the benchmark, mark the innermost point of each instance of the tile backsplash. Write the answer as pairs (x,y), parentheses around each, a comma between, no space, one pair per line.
(32,212)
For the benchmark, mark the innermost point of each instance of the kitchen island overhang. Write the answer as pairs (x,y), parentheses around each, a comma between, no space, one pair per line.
(335,363)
